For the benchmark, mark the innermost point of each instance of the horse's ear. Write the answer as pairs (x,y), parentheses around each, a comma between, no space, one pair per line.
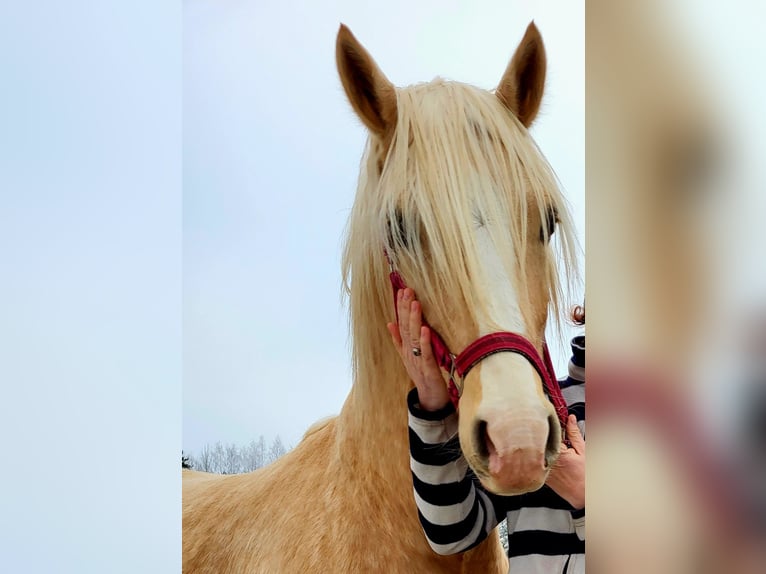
(521,89)
(369,91)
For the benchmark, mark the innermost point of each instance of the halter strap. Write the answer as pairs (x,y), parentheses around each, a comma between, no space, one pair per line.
(458,366)
(507,342)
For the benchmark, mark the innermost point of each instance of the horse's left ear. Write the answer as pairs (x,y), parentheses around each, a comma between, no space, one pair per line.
(521,89)
(369,91)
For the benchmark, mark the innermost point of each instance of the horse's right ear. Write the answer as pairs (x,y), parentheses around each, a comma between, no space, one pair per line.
(369,91)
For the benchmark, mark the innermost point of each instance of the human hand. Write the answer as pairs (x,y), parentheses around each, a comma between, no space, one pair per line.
(567,477)
(411,334)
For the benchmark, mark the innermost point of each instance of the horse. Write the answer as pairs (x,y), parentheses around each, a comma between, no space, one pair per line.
(455,195)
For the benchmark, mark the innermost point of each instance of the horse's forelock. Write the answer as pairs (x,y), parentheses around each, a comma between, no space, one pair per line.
(457,159)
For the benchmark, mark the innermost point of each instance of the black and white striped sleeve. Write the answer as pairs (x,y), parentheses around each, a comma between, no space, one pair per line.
(454,511)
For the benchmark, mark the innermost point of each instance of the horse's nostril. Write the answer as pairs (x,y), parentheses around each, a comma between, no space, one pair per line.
(481,439)
(554,438)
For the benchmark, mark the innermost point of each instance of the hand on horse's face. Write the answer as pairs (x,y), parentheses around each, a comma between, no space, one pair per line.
(567,477)
(411,336)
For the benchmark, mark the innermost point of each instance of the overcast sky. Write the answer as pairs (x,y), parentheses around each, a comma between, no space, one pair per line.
(271,157)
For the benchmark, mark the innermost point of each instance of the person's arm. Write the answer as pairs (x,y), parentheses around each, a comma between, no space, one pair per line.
(578,517)
(455,512)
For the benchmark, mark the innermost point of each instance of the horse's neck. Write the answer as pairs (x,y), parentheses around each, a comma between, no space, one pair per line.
(373,422)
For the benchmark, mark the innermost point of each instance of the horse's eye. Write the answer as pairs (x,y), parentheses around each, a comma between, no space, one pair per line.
(549,225)
(397,231)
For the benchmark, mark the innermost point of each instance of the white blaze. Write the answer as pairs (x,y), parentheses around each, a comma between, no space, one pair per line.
(500,289)
(506,378)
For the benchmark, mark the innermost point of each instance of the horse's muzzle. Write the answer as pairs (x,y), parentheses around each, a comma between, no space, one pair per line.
(516,452)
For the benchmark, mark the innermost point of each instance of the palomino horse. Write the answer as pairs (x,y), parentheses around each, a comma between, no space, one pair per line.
(456,196)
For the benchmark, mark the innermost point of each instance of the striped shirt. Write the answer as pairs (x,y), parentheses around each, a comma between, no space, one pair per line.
(545,533)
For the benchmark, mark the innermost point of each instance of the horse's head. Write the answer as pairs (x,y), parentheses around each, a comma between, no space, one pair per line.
(456,192)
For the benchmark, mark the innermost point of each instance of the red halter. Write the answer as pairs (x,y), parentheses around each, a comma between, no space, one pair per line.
(482,348)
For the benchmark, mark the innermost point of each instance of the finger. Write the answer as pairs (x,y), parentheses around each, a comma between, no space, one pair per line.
(429,361)
(415,324)
(574,435)
(393,328)
(432,384)
(404,314)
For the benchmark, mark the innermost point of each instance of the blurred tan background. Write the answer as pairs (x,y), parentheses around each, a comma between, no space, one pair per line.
(675,286)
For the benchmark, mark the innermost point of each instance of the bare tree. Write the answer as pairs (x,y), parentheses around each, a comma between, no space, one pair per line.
(254,455)
(262,452)
(205,459)
(231,462)
(231,459)
(277,449)
(503,531)
(219,456)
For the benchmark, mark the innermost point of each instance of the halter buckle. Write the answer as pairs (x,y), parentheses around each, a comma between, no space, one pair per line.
(452,368)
